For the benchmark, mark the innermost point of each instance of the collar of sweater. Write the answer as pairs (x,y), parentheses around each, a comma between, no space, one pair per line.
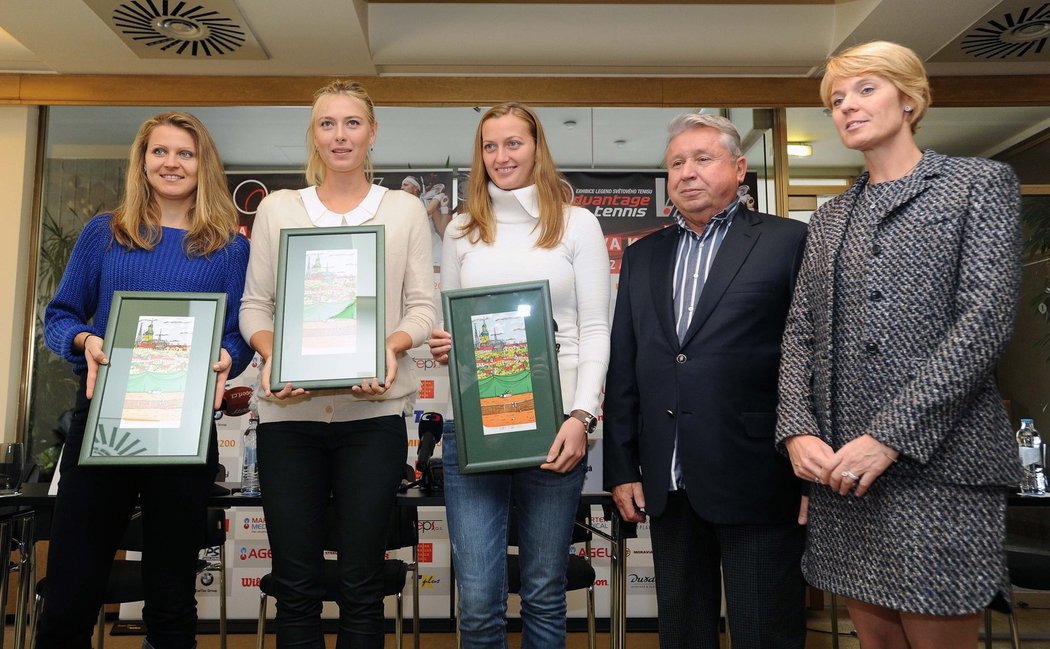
(514,206)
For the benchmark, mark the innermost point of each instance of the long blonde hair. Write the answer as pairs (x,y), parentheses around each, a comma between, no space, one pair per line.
(315,167)
(550,189)
(212,218)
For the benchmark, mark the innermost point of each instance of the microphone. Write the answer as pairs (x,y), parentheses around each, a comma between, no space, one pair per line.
(236,401)
(430,427)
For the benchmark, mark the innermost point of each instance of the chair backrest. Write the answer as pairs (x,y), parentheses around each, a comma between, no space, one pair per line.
(132,538)
(215,528)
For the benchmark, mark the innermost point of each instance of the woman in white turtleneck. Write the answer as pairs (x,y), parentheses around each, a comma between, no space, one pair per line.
(521,228)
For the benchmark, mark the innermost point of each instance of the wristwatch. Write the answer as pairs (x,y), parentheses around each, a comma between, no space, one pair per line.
(590,422)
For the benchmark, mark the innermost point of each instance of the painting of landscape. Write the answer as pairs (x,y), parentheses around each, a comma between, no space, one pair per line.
(501,355)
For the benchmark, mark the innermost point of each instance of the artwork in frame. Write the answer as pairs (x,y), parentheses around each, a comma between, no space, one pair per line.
(330,309)
(153,403)
(503,370)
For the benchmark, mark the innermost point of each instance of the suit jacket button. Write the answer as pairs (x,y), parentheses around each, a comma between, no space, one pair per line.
(681,358)
(670,414)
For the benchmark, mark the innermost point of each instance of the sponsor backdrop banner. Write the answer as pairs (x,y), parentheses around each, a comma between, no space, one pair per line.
(629,205)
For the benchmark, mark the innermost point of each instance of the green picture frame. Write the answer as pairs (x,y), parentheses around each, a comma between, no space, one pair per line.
(153,403)
(329,327)
(503,371)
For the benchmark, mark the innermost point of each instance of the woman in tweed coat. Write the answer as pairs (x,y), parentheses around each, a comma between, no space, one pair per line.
(904,303)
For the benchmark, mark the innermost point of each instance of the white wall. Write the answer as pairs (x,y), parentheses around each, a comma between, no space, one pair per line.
(18,138)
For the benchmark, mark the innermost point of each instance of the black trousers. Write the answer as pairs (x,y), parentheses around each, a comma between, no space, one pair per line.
(92,511)
(357,465)
(761,567)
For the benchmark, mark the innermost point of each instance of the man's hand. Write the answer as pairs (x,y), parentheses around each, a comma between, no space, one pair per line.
(630,500)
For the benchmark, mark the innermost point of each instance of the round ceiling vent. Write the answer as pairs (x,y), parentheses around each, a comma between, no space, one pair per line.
(184,28)
(1014,35)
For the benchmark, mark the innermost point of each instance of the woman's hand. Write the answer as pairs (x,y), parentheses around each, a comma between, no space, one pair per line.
(809,455)
(222,368)
(285,392)
(95,358)
(858,464)
(440,345)
(397,343)
(262,342)
(569,447)
(373,388)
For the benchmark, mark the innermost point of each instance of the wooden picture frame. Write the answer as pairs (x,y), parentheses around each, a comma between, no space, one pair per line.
(503,370)
(330,311)
(153,403)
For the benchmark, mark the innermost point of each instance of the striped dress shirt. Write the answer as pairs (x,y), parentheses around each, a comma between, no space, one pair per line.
(693,259)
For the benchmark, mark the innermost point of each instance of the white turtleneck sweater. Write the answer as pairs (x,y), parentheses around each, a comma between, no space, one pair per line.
(578,272)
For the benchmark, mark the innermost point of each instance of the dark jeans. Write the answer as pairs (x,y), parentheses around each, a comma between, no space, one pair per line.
(92,511)
(302,465)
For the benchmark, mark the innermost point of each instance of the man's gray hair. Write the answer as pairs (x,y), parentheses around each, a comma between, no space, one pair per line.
(686,121)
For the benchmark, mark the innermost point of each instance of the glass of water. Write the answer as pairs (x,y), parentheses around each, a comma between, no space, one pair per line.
(12,464)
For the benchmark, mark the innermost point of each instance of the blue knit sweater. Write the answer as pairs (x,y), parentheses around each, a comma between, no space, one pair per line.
(99,265)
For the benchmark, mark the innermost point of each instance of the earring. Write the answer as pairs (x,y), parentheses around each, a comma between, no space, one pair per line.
(907,109)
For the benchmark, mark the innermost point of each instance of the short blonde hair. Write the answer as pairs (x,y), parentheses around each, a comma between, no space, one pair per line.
(896,63)
(315,169)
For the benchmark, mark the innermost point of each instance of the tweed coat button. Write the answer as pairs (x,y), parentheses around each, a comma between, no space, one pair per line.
(872,348)
(681,358)
(876,295)
(876,250)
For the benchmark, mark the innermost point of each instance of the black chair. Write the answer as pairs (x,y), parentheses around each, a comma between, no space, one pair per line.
(403,533)
(1027,557)
(125,577)
(579,573)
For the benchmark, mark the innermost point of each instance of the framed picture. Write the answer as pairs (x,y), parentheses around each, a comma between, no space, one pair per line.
(329,324)
(153,403)
(503,370)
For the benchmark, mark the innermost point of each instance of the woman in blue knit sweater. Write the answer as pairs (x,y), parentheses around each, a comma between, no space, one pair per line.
(176,230)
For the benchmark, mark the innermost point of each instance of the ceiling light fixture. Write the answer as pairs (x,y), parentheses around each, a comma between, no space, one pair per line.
(569,124)
(800,149)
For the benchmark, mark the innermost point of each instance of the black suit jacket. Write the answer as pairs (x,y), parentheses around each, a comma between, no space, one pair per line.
(718,388)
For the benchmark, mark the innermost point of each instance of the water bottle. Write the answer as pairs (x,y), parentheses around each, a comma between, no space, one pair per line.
(250,467)
(1030,448)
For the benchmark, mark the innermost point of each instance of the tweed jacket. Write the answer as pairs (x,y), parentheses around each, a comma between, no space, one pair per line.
(943,280)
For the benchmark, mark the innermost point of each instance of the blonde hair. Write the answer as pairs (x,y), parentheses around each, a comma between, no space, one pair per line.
(212,218)
(896,63)
(315,167)
(550,189)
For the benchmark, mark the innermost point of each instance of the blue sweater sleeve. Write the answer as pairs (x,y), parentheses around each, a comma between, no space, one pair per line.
(232,341)
(75,301)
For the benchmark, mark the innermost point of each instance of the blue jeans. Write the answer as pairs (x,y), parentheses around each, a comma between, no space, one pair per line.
(478,507)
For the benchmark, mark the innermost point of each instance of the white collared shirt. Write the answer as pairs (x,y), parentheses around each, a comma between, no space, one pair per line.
(322,217)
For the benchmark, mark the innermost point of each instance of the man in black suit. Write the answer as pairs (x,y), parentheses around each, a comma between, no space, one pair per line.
(690,404)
